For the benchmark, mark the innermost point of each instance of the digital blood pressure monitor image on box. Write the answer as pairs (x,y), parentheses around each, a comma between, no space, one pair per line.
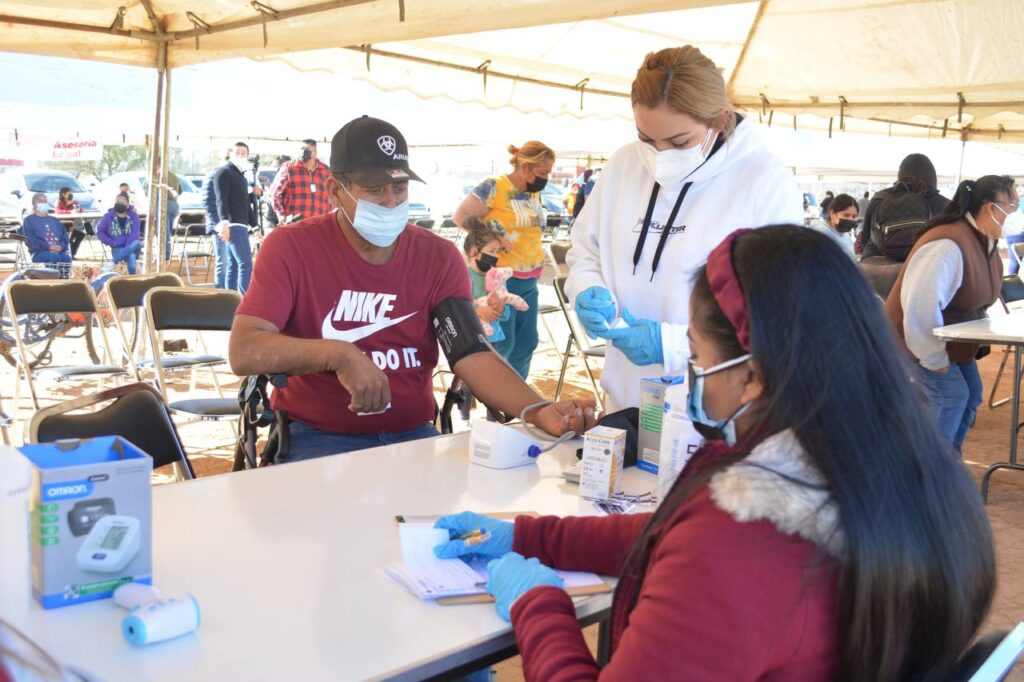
(84,515)
(110,545)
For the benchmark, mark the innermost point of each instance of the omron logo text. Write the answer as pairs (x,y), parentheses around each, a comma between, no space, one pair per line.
(67,490)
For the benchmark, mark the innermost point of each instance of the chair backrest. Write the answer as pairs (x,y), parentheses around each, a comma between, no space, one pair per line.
(554,220)
(136,412)
(129,291)
(30,297)
(425,223)
(187,308)
(881,273)
(558,253)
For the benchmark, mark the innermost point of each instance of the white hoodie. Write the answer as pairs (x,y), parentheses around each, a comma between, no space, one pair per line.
(741,185)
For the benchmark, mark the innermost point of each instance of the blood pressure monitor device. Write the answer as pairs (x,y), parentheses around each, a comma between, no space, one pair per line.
(110,545)
(84,515)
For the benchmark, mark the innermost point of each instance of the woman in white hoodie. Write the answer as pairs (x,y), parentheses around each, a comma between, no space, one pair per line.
(698,171)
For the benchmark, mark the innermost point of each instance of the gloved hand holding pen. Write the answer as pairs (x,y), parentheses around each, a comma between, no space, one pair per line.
(466,540)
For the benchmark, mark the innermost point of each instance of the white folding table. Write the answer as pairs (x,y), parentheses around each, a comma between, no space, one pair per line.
(1005,330)
(284,563)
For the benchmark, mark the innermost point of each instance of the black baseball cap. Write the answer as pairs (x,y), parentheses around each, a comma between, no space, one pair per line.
(371,152)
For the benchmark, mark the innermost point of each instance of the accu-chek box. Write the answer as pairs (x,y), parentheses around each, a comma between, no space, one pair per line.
(90,518)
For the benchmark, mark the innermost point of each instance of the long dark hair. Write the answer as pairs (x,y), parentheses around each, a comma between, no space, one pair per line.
(917,570)
(971,195)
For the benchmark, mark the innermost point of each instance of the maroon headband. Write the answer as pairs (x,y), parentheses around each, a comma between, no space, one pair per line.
(725,287)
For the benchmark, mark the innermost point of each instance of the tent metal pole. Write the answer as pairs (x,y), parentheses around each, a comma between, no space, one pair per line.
(960,170)
(161,256)
(154,168)
(746,44)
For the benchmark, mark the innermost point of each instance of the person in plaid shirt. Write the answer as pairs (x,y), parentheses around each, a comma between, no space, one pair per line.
(299,186)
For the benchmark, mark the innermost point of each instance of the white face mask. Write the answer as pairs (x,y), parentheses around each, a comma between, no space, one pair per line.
(1013,224)
(241,163)
(377,224)
(671,166)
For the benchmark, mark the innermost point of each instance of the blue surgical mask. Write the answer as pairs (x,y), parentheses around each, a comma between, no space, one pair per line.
(42,207)
(711,429)
(378,224)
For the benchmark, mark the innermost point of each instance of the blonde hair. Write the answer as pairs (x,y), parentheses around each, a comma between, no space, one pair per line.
(689,83)
(533,153)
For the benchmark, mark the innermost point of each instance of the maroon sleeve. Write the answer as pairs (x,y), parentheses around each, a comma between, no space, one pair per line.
(271,293)
(722,600)
(579,543)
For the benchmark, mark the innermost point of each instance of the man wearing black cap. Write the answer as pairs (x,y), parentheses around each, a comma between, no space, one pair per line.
(347,305)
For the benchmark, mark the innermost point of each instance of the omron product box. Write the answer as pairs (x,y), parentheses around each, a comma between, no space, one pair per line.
(90,511)
(652,412)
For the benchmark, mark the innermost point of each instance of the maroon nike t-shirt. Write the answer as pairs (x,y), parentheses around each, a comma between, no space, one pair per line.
(310,283)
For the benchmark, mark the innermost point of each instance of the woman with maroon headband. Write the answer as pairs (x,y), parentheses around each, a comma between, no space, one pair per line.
(797,544)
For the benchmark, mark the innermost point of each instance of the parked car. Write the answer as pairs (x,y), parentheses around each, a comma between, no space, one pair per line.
(196,179)
(22,184)
(418,211)
(138,182)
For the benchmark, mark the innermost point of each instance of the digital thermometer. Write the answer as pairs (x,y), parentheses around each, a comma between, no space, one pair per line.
(110,545)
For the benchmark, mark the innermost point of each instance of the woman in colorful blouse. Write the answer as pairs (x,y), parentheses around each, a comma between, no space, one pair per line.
(514,201)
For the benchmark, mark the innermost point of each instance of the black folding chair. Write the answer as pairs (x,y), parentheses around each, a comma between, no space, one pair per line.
(137,413)
(57,298)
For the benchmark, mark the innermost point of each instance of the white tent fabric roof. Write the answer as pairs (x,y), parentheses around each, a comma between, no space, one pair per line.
(942,66)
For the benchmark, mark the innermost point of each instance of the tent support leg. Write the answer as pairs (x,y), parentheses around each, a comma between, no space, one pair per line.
(154,166)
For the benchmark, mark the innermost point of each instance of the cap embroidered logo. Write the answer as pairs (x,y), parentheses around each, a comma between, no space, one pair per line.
(386,144)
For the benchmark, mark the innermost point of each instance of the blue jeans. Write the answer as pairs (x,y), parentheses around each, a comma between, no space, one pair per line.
(953,398)
(520,328)
(308,442)
(172,213)
(129,253)
(234,260)
(55,258)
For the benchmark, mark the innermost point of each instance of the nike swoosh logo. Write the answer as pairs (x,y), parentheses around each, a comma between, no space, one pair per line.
(328,331)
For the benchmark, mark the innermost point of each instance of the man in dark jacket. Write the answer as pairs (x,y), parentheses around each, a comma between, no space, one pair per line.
(228,216)
(916,172)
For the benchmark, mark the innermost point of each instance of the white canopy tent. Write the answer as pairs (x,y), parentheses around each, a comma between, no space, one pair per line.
(938,67)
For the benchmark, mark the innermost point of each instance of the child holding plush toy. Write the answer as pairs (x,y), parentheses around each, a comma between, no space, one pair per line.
(491,297)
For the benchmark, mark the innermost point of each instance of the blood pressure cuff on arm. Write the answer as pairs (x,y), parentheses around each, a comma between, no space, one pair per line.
(458,329)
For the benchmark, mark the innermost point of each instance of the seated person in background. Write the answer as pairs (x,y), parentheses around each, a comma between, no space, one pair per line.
(47,237)
(348,304)
(66,201)
(125,188)
(840,223)
(119,229)
(796,544)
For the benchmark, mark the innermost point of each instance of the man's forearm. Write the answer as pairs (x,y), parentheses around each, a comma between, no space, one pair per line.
(495,384)
(266,352)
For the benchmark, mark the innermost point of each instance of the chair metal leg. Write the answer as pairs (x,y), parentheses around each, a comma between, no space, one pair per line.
(593,382)
(565,364)
(992,403)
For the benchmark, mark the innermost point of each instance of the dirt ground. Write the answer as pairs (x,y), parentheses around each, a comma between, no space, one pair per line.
(210,446)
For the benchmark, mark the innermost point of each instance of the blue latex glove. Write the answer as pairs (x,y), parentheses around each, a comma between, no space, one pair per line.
(499,544)
(640,341)
(595,310)
(512,576)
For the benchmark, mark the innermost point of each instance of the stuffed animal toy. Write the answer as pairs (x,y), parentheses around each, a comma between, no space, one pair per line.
(499,295)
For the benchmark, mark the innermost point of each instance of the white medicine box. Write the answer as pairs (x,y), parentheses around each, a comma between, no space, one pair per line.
(89,518)
(601,469)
